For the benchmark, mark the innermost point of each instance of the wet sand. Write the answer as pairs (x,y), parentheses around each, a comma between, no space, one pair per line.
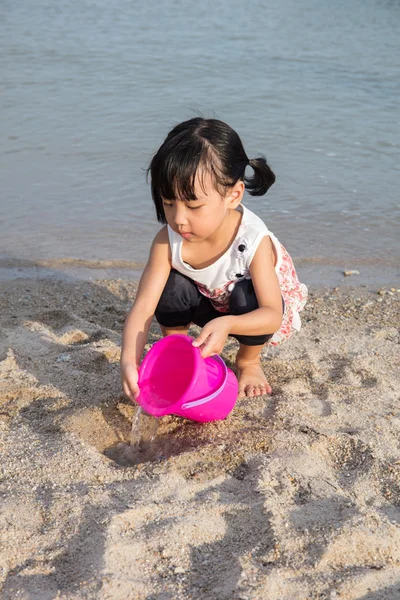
(293,497)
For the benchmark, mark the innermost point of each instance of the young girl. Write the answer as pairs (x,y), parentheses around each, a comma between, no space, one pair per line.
(214,263)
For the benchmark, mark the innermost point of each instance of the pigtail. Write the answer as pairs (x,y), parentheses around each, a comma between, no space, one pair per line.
(262,179)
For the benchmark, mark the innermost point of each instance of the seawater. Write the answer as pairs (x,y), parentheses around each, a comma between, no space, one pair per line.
(90,88)
(144,430)
(141,446)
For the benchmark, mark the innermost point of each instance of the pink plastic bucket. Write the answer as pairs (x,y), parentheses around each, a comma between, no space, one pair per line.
(175,379)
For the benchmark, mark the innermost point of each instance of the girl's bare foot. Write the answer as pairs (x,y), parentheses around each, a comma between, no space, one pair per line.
(252,381)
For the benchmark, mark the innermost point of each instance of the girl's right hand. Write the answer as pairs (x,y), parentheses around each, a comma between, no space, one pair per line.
(130,378)
(138,321)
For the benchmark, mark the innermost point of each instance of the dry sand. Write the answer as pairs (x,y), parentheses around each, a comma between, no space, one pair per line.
(293,497)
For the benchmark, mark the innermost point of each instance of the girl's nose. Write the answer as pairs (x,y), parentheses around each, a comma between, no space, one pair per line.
(180,213)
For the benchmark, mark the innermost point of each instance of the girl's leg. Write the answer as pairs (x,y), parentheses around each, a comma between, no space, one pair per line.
(171,330)
(174,309)
(181,304)
(252,381)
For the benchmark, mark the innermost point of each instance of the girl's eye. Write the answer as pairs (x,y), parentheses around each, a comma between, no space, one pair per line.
(168,204)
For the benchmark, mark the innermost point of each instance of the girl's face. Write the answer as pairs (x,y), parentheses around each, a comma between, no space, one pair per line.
(203,218)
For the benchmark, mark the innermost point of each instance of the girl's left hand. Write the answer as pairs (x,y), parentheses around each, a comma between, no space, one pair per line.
(213,336)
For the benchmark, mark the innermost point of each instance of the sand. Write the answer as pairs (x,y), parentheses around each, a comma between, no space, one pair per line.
(295,496)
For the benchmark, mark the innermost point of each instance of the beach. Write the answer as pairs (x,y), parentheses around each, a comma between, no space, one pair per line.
(295,496)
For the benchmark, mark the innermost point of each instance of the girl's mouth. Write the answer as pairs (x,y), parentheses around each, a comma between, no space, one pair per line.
(185,234)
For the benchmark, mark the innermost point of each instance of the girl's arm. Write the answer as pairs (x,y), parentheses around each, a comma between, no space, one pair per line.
(268,317)
(265,319)
(139,318)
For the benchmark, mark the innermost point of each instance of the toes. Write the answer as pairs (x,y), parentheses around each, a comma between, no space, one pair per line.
(254,390)
(262,389)
(250,391)
(259,390)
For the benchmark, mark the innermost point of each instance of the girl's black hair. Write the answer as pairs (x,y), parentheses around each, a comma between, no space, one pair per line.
(204,146)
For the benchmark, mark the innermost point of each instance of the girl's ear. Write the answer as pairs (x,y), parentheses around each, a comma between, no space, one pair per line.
(235,194)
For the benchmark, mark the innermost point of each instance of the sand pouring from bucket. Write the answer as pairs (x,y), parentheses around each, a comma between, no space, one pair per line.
(175,379)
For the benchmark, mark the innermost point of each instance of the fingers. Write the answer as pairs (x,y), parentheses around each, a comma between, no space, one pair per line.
(206,348)
(210,347)
(208,343)
(201,338)
(130,376)
(204,341)
(131,390)
(212,337)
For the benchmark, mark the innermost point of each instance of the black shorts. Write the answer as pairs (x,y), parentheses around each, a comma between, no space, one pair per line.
(181,303)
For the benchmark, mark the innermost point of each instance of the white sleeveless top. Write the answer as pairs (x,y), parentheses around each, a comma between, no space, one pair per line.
(217,281)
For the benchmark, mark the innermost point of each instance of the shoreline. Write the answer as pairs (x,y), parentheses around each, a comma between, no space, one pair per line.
(294,496)
(315,272)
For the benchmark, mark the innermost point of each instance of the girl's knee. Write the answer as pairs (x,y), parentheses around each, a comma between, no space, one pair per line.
(177,300)
(243,298)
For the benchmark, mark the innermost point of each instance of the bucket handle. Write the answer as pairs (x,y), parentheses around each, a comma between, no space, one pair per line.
(214,394)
